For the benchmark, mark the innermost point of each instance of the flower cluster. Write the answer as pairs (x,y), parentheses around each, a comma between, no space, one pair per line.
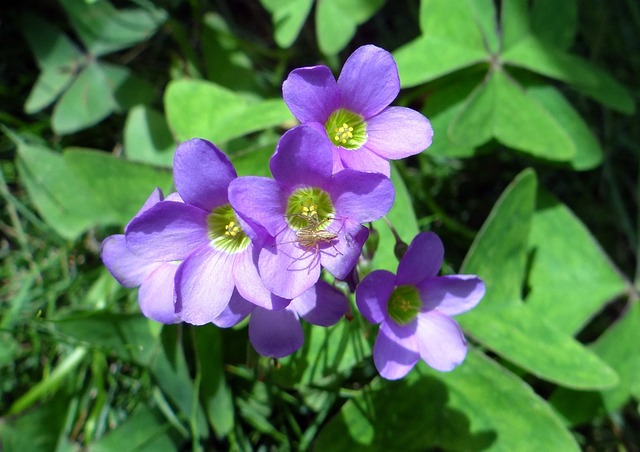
(224,248)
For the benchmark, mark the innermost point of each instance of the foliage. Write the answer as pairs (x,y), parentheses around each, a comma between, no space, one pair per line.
(531,182)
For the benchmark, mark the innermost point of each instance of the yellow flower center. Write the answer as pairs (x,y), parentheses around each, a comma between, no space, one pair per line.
(343,134)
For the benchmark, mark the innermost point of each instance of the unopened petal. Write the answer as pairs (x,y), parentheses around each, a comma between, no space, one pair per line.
(235,312)
(321,305)
(372,295)
(275,333)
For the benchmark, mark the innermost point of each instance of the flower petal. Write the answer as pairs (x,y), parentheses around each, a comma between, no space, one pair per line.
(398,132)
(362,197)
(286,269)
(321,305)
(369,81)
(361,159)
(169,231)
(275,333)
(156,296)
(341,255)
(204,285)
(394,354)
(372,295)
(440,341)
(202,174)
(303,157)
(128,268)
(451,294)
(249,284)
(259,200)
(422,260)
(235,312)
(154,198)
(311,93)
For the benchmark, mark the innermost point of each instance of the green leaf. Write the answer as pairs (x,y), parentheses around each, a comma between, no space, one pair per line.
(499,252)
(478,406)
(52,48)
(144,430)
(441,107)
(618,347)
(60,197)
(337,20)
(131,337)
(104,29)
(502,109)
(403,218)
(126,88)
(215,393)
(225,60)
(609,92)
(50,84)
(588,151)
(120,187)
(525,338)
(571,277)
(458,22)
(453,37)
(429,57)
(514,21)
(327,355)
(85,103)
(147,137)
(40,430)
(536,55)
(205,110)
(555,22)
(288,16)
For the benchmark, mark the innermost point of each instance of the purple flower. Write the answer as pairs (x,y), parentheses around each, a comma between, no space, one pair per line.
(354,113)
(414,309)
(313,217)
(155,279)
(279,333)
(203,232)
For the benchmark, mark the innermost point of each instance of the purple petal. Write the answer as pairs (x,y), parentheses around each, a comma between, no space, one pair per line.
(321,305)
(303,157)
(128,268)
(311,93)
(260,200)
(275,333)
(235,312)
(422,260)
(341,255)
(175,197)
(362,197)
(249,284)
(154,198)
(369,81)
(286,269)
(398,132)
(204,285)
(452,294)
(361,159)
(440,341)
(202,174)
(372,295)
(156,296)
(169,231)
(395,351)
